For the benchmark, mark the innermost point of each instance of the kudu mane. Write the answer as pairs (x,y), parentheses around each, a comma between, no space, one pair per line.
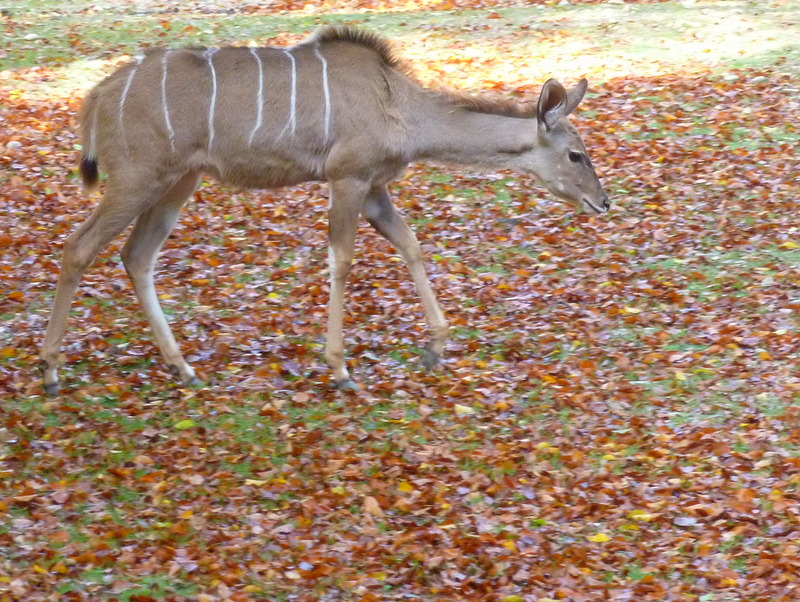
(391,58)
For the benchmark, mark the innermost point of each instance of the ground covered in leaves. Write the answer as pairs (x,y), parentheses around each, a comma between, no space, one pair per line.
(617,418)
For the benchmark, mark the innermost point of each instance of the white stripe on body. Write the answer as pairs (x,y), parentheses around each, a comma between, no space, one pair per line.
(91,152)
(326,90)
(122,98)
(260,99)
(167,121)
(212,105)
(293,100)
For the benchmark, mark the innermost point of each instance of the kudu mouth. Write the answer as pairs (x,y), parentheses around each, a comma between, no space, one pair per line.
(591,207)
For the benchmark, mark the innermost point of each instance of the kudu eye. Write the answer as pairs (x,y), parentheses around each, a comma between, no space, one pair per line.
(576,157)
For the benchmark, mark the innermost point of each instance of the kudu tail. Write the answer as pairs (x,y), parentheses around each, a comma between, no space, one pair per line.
(88,122)
(88,171)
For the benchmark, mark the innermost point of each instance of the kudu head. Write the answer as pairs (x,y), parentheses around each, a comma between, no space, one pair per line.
(559,157)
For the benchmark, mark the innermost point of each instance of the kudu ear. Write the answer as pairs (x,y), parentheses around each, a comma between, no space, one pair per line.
(575,96)
(552,104)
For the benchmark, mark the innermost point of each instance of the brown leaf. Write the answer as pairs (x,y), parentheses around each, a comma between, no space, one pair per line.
(372,507)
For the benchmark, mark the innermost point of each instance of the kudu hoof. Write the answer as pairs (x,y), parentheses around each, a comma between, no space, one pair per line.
(430,359)
(194,383)
(51,389)
(348,384)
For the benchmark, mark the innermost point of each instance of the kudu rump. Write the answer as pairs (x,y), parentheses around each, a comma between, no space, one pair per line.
(340,106)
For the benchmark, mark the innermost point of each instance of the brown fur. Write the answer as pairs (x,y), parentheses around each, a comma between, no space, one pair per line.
(340,106)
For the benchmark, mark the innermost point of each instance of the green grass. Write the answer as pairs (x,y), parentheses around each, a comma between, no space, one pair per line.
(604,39)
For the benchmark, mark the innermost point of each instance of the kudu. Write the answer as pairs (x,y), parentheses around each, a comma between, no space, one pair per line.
(340,106)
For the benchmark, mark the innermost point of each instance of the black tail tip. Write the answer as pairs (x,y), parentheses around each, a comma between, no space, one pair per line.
(89,173)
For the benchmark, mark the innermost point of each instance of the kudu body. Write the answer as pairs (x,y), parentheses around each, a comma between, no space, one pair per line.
(340,107)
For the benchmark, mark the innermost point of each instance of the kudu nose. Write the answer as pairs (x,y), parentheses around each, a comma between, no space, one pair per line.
(606,204)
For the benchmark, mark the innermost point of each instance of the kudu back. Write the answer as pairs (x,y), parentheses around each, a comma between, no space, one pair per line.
(340,106)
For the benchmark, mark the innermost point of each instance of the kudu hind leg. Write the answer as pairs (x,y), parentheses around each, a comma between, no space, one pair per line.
(109,218)
(139,256)
(382,215)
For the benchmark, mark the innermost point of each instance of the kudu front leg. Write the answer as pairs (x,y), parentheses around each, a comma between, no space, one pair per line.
(347,198)
(139,256)
(382,215)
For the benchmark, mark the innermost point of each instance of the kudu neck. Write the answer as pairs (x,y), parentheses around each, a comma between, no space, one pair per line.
(456,135)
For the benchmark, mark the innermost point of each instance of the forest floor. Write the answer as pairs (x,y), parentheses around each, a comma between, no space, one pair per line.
(617,416)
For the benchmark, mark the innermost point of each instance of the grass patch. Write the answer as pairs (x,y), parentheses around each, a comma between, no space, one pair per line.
(602,39)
